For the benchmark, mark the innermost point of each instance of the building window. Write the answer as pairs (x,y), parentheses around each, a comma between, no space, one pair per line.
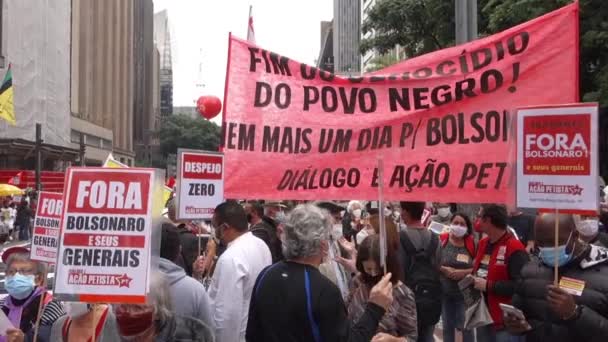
(2,63)
(75,137)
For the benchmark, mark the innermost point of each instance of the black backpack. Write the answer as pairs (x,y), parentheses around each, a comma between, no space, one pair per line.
(423,278)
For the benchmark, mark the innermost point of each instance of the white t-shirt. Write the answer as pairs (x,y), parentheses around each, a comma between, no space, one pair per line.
(230,292)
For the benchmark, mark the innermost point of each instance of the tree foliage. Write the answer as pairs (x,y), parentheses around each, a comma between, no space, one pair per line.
(422,26)
(419,26)
(382,61)
(184,131)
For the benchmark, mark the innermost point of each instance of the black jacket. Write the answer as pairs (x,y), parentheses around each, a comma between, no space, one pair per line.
(292,302)
(592,325)
(267,232)
(178,328)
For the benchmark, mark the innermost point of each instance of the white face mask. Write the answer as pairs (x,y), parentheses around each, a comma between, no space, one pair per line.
(443,212)
(76,309)
(357,213)
(588,227)
(458,230)
(336,232)
(387,212)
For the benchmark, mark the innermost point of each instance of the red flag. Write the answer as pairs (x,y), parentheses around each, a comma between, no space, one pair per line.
(250,30)
(170,182)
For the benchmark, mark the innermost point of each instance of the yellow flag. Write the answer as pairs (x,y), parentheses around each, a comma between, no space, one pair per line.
(7,110)
(113,163)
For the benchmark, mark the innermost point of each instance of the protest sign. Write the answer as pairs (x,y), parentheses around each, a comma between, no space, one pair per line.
(557,150)
(200,183)
(104,253)
(45,236)
(441,122)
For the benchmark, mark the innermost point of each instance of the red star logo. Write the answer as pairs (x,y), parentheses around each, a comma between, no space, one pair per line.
(124,281)
(576,190)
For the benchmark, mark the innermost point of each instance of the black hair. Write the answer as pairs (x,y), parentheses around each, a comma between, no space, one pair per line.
(467,221)
(258,208)
(497,214)
(414,209)
(369,249)
(232,214)
(170,243)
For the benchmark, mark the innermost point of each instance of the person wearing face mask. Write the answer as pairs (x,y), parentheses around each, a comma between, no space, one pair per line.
(351,219)
(588,229)
(331,267)
(189,252)
(444,214)
(155,321)
(399,322)
(263,229)
(497,268)
(292,301)
(235,271)
(550,312)
(458,250)
(82,320)
(24,283)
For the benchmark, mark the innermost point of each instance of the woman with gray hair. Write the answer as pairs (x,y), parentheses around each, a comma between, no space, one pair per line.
(155,320)
(293,301)
(25,280)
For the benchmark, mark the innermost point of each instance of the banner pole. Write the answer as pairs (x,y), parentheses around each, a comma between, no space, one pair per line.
(556,266)
(39,316)
(381,220)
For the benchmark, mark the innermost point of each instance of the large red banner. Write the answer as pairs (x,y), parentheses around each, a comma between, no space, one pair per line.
(441,123)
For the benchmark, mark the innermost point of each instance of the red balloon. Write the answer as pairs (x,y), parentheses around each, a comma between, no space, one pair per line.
(208,106)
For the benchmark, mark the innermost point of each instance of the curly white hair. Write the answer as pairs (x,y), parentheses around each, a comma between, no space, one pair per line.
(306,227)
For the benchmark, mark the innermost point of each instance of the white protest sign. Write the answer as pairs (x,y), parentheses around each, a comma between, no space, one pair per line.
(557,154)
(45,237)
(104,254)
(200,184)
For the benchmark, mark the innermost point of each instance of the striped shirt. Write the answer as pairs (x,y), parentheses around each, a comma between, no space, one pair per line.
(400,319)
(52,311)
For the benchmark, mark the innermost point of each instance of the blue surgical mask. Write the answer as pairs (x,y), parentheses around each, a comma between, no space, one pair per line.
(20,286)
(547,255)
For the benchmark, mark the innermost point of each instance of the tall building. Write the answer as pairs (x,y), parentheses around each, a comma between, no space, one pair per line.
(35,40)
(326,53)
(370,57)
(103,77)
(162,38)
(146,113)
(347,36)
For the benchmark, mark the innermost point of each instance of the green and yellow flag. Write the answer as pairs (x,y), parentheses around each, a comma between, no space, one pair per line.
(7,110)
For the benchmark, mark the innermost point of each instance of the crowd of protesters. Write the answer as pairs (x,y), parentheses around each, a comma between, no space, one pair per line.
(320,271)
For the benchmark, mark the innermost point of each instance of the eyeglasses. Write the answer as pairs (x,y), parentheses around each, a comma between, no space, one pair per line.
(24,271)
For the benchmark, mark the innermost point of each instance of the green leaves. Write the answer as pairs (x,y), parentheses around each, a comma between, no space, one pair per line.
(183,131)
(422,26)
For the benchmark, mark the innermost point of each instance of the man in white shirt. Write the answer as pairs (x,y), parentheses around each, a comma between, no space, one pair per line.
(235,272)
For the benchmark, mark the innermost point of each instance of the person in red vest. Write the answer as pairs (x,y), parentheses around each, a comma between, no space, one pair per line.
(497,267)
(458,251)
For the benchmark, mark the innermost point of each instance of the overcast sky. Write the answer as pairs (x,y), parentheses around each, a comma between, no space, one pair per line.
(288,27)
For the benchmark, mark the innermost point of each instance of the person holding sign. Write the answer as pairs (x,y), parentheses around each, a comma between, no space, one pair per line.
(497,268)
(576,309)
(399,322)
(82,321)
(156,320)
(28,306)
